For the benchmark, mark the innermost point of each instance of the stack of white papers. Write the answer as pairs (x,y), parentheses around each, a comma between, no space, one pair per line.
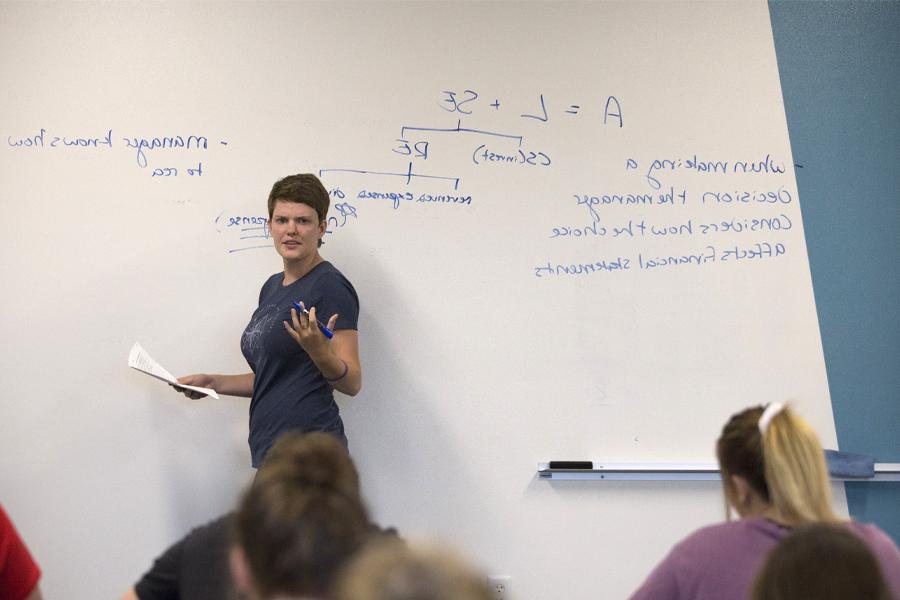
(143,362)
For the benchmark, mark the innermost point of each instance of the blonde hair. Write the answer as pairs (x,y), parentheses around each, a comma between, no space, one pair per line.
(799,487)
(785,465)
(391,570)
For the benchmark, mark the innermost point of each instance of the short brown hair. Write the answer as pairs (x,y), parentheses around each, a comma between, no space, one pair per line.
(318,458)
(296,539)
(302,517)
(303,188)
(826,562)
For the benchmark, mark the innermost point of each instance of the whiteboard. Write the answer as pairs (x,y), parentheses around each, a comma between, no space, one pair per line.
(574,230)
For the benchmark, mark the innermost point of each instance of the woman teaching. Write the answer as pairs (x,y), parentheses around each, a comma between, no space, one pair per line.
(294,367)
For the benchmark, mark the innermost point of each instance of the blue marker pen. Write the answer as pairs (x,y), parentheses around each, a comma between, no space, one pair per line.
(325,331)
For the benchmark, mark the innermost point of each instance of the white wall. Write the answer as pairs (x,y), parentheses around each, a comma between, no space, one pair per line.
(476,369)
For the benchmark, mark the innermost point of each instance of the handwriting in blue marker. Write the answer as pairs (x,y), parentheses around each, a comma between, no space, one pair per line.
(646,261)
(613,109)
(409,175)
(246,227)
(142,145)
(707,255)
(714,166)
(345,211)
(460,129)
(173,171)
(779,196)
(733,225)
(444,199)
(42,140)
(454,104)
(482,154)
(593,230)
(467,101)
(543,117)
(583,268)
(245,220)
(758,251)
(417,150)
(672,197)
(395,197)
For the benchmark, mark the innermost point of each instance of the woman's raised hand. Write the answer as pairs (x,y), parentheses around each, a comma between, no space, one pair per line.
(304,328)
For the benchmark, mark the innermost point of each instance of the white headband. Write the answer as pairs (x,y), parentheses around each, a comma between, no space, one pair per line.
(771,410)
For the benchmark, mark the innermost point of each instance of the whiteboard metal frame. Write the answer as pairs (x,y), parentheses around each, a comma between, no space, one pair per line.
(677,472)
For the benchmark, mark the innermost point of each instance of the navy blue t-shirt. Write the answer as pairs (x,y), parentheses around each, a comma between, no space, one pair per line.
(289,391)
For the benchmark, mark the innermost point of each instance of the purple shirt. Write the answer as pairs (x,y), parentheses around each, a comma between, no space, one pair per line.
(721,561)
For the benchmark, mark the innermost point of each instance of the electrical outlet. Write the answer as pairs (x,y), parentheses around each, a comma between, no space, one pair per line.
(499,586)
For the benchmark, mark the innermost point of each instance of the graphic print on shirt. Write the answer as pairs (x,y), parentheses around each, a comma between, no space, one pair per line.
(260,325)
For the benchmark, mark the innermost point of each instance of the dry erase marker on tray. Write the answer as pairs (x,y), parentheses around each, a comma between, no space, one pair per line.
(327,332)
(571,464)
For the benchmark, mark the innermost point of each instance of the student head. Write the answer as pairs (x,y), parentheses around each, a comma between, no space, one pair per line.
(771,457)
(317,457)
(304,188)
(299,521)
(821,561)
(392,570)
